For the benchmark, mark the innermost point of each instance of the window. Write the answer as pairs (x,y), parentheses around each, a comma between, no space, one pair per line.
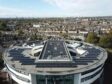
(91,76)
(89,71)
(62,79)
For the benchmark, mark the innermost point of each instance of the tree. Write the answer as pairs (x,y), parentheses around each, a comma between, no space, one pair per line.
(1,61)
(78,39)
(65,35)
(110,33)
(36,37)
(92,38)
(33,37)
(20,32)
(106,41)
(3,26)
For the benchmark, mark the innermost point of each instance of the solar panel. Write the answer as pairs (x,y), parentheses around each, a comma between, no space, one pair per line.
(44,65)
(53,49)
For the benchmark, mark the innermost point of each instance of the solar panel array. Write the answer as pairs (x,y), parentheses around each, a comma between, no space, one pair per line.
(89,58)
(60,65)
(54,49)
(17,55)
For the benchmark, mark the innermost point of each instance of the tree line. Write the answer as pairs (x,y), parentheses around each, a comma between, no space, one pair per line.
(103,41)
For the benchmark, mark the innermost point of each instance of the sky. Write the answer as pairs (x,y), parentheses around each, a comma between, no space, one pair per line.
(55,8)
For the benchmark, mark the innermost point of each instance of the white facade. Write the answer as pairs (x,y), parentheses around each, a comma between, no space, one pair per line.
(88,78)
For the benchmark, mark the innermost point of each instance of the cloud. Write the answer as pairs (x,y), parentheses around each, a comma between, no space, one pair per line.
(83,7)
(14,12)
(70,4)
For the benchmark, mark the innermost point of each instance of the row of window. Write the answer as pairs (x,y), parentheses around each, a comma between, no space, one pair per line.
(89,71)
(60,79)
(91,76)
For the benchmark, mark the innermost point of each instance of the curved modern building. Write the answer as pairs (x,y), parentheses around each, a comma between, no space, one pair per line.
(55,62)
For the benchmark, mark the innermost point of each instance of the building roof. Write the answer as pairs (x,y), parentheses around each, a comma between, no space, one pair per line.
(55,56)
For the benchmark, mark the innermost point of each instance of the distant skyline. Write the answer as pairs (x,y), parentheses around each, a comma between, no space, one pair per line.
(55,8)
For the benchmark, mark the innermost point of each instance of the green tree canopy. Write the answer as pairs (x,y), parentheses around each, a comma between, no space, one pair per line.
(3,26)
(105,41)
(92,38)
(20,32)
(36,37)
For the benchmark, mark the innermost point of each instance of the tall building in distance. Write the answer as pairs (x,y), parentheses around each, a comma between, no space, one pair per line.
(55,61)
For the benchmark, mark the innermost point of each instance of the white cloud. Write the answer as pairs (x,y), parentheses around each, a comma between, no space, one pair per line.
(83,7)
(70,4)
